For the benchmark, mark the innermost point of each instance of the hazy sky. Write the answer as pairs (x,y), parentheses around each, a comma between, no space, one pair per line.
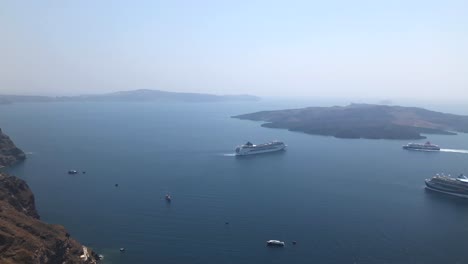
(384,49)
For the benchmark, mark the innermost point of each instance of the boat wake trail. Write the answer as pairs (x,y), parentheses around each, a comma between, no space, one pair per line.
(464,151)
(229,154)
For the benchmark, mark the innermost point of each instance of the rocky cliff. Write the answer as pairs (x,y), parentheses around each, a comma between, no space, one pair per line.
(9,153)
(26,239)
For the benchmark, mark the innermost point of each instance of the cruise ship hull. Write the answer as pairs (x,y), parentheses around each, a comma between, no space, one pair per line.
(432,187)
(421,148)
(254,152)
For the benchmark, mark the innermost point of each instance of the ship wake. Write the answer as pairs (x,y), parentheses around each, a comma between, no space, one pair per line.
(463,151)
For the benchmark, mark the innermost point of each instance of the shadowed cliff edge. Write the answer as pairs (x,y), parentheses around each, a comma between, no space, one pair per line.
(23,237)
(9,153)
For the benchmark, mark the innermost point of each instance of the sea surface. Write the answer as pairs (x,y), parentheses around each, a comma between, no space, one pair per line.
(342,200)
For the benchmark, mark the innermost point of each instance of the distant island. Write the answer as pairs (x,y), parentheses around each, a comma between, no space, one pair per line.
(142,95)
(363,121)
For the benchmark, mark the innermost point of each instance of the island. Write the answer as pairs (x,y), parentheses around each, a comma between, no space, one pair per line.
(367,121)
(24,238)
(141,95)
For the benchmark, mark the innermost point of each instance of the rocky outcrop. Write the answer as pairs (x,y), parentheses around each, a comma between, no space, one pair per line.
(26,239)
(9,153)
(16,193)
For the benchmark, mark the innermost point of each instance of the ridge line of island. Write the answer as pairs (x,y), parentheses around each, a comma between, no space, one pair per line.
(366,121)
(140,95)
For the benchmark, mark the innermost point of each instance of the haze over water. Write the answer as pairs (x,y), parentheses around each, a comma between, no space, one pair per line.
(343,201)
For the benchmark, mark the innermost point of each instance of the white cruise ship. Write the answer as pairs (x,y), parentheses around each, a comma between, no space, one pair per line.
(448,185)
(427,146)
(250,149)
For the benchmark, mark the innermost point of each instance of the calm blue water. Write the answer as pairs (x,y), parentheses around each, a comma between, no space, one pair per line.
(343,201)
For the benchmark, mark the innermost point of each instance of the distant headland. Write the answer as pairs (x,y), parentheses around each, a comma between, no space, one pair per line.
(363,121)
(9,153)
(142,95)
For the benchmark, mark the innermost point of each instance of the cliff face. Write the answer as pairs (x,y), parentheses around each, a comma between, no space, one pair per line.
(24,238)
(9,153)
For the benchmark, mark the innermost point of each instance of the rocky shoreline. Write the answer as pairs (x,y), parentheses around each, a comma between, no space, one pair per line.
(23,237)
(9,153)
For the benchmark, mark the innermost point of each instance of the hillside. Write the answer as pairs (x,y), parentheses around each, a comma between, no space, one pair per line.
(9,153)
(23,237)
(26,239)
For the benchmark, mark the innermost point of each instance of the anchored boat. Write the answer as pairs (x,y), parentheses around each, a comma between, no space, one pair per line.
(275,243)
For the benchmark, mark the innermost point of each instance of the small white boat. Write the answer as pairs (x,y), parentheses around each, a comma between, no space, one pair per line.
(275,243)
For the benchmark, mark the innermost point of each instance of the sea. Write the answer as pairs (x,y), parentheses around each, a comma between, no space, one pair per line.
(341,200)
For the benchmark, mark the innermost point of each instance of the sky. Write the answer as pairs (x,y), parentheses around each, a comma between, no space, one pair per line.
(358,49)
